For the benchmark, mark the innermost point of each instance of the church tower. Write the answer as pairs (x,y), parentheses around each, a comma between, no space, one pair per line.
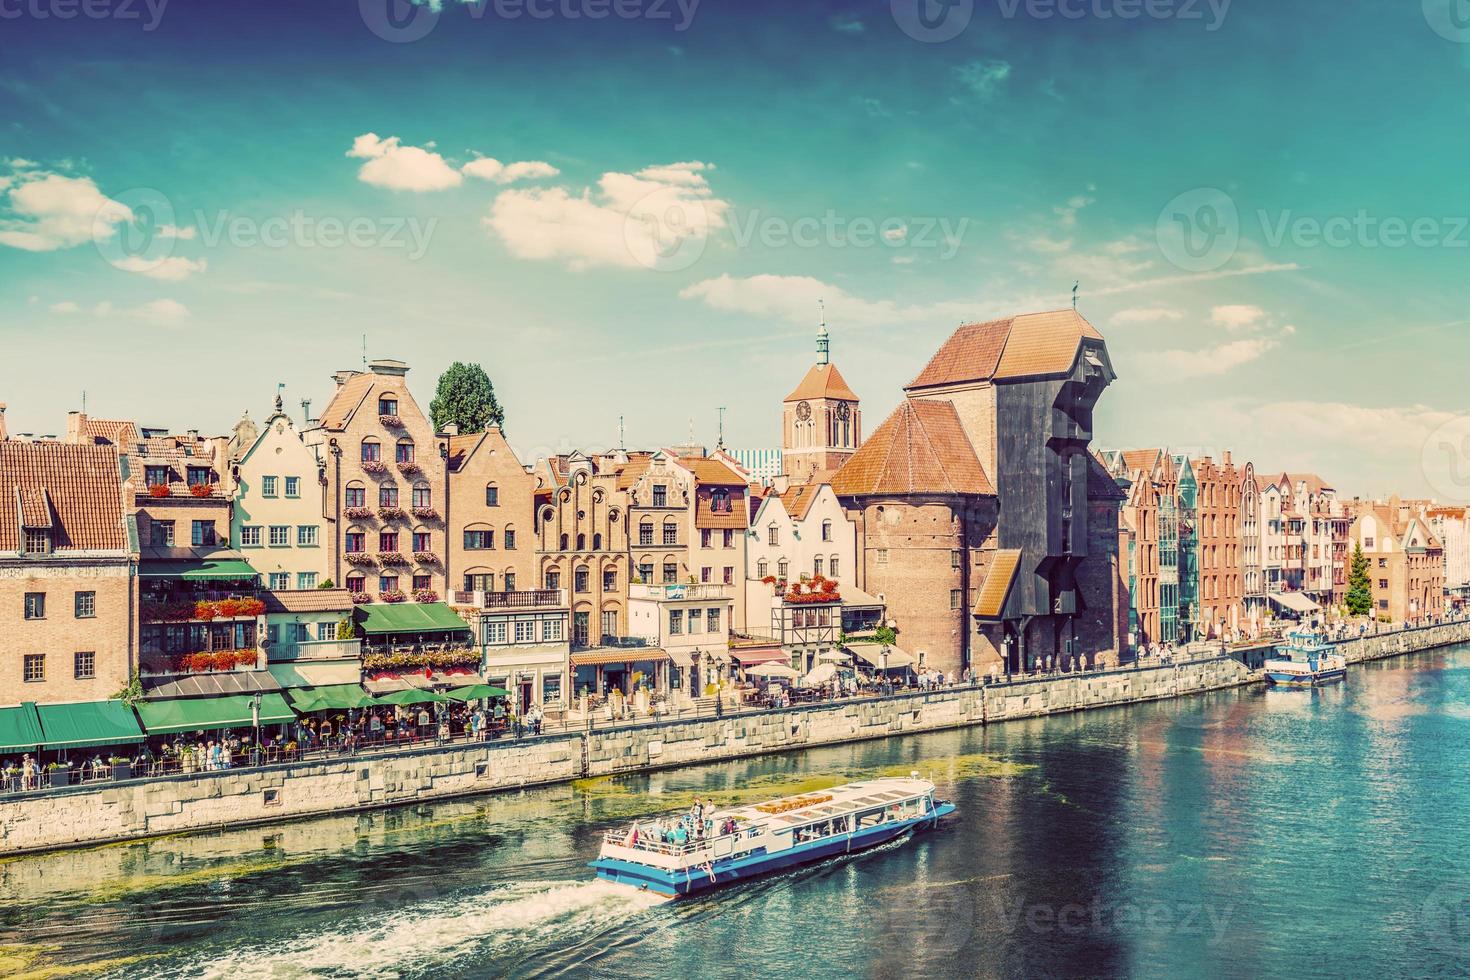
(821,424)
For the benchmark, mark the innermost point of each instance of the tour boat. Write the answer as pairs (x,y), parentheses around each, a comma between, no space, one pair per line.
(1306,661)
(747,841)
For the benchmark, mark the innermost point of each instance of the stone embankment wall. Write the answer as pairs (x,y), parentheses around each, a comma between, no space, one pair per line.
(113,812)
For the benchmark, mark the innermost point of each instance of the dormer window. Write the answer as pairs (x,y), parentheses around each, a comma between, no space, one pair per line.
(38,541)
(387,406)
(720,501)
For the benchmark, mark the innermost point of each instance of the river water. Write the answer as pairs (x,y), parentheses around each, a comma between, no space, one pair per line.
(1244,833)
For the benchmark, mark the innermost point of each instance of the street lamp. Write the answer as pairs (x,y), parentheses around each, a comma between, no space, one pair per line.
(255,721)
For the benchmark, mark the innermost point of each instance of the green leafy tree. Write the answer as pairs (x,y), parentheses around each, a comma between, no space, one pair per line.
(467,398)
(1360,591)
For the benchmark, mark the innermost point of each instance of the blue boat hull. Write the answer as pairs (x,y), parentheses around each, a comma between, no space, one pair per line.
(728,871)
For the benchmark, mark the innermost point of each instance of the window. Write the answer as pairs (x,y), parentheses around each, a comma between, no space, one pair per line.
(421,542)
(356,583)
(551,630)
(832,567)
(581,580)
(38,541)
(609,622)
(479,582)
(250,536)
(423,582)
(84,666)
(676,622)
(645,572)
(510,581)
(202,534)
(956,596)
(388,495)
(1383,563)
(671,532)
(372,452)
(387,541)
(155,475)
(818,564)
(762,568)
(773,535)
(881,556)
(510,539)
(783,569)
(492,495)
(729,574)
(1383,583)
(268,486)
(306,580)
(705,537)
(609,580)
(712,620)
(403,452)
(161,534)
(479,540)
(280,581)
(565,541)
(704,573)
(301,633)
(1382,603)
(356,497)
(645,532)
(356,542)
(34,667)
(954,559)
(553,579)
(388,583)
(280,536)
(826,530)
(719,501)
(306,535)
(387,406)
(423,496)
(85,605)
(326,631)
(696,620)
(671,573)
(525,631)
(660,495)
(495,631)
(597,542)
(35,605)
(293,486)
(729,538)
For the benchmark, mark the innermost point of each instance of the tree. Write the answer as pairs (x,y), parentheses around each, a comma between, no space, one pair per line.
(1360,591)
(467,398)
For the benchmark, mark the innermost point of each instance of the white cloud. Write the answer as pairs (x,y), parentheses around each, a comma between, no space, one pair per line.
(397,167)
(158,311)
(1145,314)
(897,233)
(489,168)
(170,269)
(49,211)
(1209,361)
(1238,318)
(1407,426)
(983,77)
(65,306)
(1067,213)
(630,220)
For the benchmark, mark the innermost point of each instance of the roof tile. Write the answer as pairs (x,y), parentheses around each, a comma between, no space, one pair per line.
(920,448)
(81,484)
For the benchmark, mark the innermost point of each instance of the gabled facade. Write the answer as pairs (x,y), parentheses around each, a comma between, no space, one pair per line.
(277,521)
(492,539)
(582,542)
(1405,561)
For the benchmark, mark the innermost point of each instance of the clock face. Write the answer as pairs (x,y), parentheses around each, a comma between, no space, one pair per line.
(803,411)
(842,411)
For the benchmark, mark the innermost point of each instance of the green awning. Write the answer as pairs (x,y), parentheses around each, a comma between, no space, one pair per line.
(476,692)
(205,570)
(208,714)
(410,617)
(69,726)
(411,696)
(332,697)
(20,729)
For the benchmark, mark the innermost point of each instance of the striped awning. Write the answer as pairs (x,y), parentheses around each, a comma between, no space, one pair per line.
(750,656)
(617,655)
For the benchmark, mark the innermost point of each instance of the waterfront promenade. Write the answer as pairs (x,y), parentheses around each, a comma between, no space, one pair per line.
(381,777)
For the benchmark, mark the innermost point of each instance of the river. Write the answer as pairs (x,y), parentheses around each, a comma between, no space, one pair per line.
(1242,833)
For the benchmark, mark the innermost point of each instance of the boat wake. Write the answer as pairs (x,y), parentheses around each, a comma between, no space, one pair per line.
(505,920)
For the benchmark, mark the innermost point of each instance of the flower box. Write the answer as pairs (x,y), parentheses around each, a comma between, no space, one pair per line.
(374,466)
(417,660)
(201,489)
(362,598)
(393,595)
(391,513)
(391,421)
(425,513)
(60,776)
(425,558)
(358,558)
(157,490)
(410,467)
(122,770)
(425,595)
(392,558)
(358,513)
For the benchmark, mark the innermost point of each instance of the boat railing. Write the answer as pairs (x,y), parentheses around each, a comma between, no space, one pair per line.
(619,838)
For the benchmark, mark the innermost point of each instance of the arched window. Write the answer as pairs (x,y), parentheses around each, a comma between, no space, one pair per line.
(423,496)
(564,541)
(356,494)
(581,542)
(762,568)
(582,579)
(720,501)
(403,453)
(508,537)
(372,450)
(671,531)
(492,496)
(826,530)
(782,569)
(818,565)
(645,531)
(596,542)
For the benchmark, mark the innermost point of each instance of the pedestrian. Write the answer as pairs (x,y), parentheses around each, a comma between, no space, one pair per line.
(28,772)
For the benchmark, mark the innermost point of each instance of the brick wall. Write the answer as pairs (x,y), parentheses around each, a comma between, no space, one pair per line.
(110,634)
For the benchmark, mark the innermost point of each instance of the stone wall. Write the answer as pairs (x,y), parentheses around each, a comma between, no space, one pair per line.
(96,814)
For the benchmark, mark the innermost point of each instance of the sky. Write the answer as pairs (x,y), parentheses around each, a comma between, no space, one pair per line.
(635,207)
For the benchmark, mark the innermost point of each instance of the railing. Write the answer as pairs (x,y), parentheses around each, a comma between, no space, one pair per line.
(313,650)
(528,599)
(699,590)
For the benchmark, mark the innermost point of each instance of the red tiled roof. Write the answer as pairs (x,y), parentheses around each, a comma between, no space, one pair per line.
(711,472)
(308,600)
(81,486)
(346,399)
(460,448)
(991,601)
(116,432)
(1024,346)
(798,499)
(920,448)
(822,381)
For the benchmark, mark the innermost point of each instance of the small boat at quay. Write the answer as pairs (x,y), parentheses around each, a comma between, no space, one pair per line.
(683,854)
(1305,661)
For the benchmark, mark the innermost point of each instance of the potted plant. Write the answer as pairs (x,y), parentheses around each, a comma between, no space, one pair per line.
(201,489)
(409,468)
(391,421)
(426,558)
(358,513)
(392,558)
(425,595)
(391,513)
(425,513)
(121,768)
(59,774)
(156,490)
(393,595)
(361,599)
(373,466)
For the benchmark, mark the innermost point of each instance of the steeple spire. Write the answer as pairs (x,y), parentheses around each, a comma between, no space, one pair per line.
(823,344)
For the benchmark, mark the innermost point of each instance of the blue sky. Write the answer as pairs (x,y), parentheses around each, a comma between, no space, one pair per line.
(636,215)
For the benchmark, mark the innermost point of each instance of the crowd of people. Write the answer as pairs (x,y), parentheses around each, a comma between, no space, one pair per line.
(698,824)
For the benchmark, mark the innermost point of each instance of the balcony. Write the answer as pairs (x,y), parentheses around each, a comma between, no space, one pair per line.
(528,599)
(674,593)
(616,642)
(306,650)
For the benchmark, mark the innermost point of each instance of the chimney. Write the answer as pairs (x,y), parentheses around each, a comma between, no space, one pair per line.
(451,428)
(3,436)
(341,376)
(193,435)
(1226,457)
(389,367)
